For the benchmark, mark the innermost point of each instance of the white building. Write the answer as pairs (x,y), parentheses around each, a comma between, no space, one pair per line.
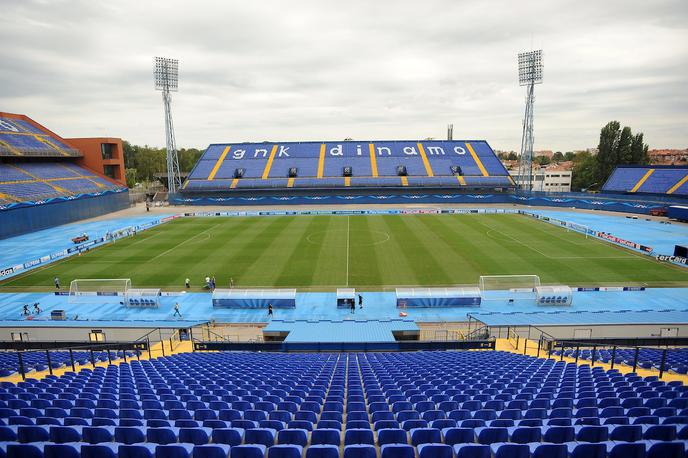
(550,180)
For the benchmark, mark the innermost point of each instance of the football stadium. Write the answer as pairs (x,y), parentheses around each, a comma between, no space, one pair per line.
(378,298)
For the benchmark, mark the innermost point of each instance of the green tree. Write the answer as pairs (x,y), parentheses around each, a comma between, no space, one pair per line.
(623,154)
(558,157)
(569,156)
(639,150)
(607,156)
(130,175)
(542,160)
(512,156)
(584,173)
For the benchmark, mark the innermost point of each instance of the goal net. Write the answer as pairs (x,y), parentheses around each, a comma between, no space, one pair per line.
(578,228)
(87,290)
(505,287)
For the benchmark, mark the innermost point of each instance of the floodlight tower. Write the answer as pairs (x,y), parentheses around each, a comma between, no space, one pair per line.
(166,75)
(529,74)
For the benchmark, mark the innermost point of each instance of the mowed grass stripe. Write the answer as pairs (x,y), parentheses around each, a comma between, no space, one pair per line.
(298,266)
(458,237)
(552,270)
(385,251)
(366,252)
(219,250)
(433,263)
(238,264)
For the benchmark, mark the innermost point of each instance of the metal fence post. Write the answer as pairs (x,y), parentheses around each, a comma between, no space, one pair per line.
(109,356)
(635,358)
(525,346)
(124,354)
(577,353)
(71,359)
(562,352)
(50,364)
(162,342)
(613,356)
(594,350)
(21,365)
(518,339)
(149,350)
(661,367)
(93,360)
(539,345)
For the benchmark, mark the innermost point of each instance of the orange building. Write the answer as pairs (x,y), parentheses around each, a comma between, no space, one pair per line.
(103,155)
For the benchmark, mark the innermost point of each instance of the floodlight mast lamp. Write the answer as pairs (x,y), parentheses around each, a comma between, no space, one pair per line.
(529,74)
(166,76)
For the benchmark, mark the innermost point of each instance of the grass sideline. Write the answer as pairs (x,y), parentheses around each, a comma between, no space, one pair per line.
(369,252)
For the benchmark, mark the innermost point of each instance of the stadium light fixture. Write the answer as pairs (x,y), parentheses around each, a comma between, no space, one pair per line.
(529,74)
(166,78)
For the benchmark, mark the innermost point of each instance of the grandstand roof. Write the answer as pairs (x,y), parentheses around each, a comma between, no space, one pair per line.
(22,136)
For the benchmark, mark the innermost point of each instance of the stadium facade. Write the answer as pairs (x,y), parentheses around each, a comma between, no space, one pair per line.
(47,180)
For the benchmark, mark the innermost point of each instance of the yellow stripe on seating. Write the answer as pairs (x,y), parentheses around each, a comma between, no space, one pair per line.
(290,183)
(347,181)
(678,185)
(512,180)
(268,166)
(404,181)
(186,183)
(426,163)
(321,161)
(50,144)
(373,160)
(477,160)
(462,182)
(642,180)
(219,162)
(234,184)
(10,148)
(8,197)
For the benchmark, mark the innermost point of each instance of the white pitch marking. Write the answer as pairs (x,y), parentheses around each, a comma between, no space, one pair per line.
(347,249)
(183,242)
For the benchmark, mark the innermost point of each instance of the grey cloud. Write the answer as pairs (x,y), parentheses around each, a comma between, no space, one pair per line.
(308,70)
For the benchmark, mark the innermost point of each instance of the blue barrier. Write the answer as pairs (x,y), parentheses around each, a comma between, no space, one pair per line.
(24,217)
(579,201)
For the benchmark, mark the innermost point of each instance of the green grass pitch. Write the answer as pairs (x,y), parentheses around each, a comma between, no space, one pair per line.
(367,252)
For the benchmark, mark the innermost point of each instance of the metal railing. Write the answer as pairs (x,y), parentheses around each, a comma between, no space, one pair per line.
(21,347)
(615,346)
(335,347)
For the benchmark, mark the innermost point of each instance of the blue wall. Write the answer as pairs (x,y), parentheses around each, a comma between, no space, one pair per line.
(17,221)
(609,202)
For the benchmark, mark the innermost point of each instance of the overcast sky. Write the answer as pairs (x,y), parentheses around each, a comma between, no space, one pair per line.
(326,70)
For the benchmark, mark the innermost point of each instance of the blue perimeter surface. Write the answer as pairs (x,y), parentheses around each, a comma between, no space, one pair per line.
(23,248)
(351,330)
(197,307)
(647,306)
(660,237)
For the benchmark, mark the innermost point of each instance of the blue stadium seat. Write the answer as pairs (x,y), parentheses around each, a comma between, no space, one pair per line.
(472,451)
(285,451)
(322,451)
(397,451)
(359,451)
(247,451)
(326,436)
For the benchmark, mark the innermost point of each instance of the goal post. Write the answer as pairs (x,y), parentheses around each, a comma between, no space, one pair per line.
(580,228)
(501,287)
(84,290)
